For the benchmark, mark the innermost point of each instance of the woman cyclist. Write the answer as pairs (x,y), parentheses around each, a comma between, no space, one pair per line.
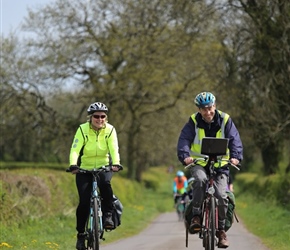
(95,144)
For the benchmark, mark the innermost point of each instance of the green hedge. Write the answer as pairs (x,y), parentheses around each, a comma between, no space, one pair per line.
(39,165)
(274,187)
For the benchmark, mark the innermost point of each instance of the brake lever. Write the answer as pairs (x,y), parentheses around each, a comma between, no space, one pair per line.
(236,166)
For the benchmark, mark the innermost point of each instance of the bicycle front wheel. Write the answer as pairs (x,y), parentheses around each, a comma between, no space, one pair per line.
(95,229)
(212,224)
(180,210)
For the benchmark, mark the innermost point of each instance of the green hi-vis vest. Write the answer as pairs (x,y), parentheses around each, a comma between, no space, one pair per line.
(85,131)
(95,153)
(199,134)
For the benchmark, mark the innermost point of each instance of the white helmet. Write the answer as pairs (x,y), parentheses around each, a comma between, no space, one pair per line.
(97,106)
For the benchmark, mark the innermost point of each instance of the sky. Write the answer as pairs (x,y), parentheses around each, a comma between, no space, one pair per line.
(12,13)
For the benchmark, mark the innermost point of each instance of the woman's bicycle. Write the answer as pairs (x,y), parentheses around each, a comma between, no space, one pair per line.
(94,231)
(212,148)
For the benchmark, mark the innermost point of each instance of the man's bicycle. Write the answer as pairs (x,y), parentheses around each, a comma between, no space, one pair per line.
(94,231)
(211,149)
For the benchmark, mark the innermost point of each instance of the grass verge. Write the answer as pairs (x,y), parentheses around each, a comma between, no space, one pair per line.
(37,209)
(33,218)
(265,219)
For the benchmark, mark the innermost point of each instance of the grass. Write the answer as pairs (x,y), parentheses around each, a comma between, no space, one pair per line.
(51,225)
(267,220)
(37,209)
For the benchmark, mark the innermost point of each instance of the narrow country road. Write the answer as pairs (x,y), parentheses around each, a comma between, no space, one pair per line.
(167,233)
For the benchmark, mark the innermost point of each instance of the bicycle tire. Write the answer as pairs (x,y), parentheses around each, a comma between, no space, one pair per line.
(212,224)
(95,229)
(180,210)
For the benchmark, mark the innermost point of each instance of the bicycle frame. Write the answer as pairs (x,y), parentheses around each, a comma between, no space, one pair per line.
(95,194)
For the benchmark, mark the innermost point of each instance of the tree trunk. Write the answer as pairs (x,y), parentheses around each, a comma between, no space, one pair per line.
(130,157)
(271,155)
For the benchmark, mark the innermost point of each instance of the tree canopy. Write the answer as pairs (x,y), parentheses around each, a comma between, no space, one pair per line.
(146,60)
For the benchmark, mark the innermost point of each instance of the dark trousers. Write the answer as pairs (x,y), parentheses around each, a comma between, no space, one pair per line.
(84,186)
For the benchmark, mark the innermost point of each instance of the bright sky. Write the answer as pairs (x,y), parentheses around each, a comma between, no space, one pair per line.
(12,13)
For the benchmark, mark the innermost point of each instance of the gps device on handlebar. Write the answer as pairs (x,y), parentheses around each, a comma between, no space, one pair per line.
(212,146)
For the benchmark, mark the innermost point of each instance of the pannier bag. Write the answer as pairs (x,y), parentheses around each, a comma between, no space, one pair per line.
(230,211)
(117,211)
(188,215)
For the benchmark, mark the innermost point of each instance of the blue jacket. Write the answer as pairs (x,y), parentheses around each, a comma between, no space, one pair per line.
(187,136)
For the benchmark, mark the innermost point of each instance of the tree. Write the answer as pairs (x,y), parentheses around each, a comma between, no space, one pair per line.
(24,113)
(140,58)
(258,60)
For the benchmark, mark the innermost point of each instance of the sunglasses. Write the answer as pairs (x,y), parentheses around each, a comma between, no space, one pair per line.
(99,116)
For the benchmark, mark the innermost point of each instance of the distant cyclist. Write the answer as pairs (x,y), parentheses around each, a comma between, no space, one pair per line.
(179,186)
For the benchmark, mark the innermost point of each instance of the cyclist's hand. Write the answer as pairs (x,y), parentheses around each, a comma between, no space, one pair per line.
(188,160)
(234,161)
(74,169)
(115,168)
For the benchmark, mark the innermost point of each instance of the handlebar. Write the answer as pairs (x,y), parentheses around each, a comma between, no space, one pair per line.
(107,168)
(205,159)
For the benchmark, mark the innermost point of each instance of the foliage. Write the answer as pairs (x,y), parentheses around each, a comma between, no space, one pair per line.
(21,165)
(146,60)
(130,59)
(37,208)
(24,112)
(275,188)
(258,69)
(53,226)
(264,219)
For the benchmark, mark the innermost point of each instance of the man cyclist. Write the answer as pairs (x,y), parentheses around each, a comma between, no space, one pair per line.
(209,122)
(179,186)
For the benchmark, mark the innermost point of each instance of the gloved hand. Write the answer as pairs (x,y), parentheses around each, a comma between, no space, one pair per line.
(74,168)
(117,168)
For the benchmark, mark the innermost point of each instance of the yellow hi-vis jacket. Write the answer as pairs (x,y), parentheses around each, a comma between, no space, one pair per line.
(93,149)
(199,134)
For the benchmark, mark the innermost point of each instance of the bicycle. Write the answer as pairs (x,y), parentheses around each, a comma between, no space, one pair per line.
(211,149)
(181,202)
(94,230)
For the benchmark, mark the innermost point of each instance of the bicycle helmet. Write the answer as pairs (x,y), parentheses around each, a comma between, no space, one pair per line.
(204,99)
(179,173)
(97,106)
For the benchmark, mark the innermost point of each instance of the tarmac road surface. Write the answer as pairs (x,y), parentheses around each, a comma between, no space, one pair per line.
(167,233)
